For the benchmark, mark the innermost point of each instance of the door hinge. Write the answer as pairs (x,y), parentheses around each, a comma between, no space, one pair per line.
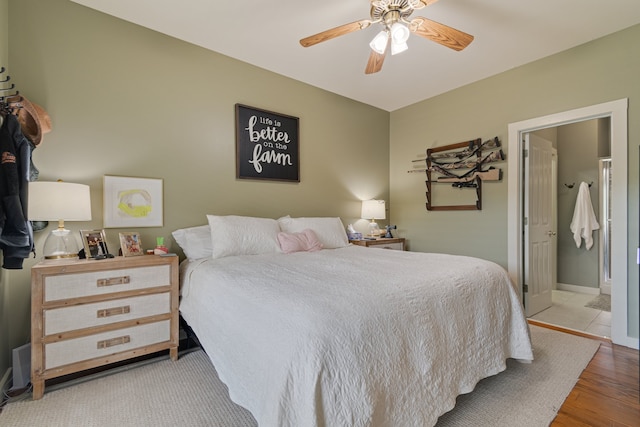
(525,221)
(525,288)
(525,153)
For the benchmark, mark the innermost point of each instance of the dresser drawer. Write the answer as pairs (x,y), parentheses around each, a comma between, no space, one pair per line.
(76,285)
(104,344)
(102,313)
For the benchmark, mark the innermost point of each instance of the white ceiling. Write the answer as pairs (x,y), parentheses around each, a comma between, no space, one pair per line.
(508,33)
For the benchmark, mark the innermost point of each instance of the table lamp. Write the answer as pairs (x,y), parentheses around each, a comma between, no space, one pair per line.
(61,201)
(373,209)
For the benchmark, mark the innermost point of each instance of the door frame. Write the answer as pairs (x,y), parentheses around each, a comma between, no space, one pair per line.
(617,112)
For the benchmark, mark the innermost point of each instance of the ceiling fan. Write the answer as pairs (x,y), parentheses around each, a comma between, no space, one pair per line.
(394,17)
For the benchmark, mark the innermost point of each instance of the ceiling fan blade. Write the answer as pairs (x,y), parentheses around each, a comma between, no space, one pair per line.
(440,33)
(335,32)
(375,62)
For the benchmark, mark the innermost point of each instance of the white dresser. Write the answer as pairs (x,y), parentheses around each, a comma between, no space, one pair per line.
(89,313)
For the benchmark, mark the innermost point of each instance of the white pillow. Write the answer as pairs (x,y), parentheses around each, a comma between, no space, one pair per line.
(329,230)
(194,241)
(243,235)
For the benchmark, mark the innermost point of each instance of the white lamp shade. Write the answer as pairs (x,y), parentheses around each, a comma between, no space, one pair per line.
(398,48)
(399,36)
(373,209)
(54,201)
(379,42)
(59,201)
(399,33)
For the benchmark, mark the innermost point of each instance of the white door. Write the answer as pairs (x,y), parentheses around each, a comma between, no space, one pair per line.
(539,232)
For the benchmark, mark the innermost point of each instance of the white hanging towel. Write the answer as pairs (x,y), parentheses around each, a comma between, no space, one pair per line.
(584,218)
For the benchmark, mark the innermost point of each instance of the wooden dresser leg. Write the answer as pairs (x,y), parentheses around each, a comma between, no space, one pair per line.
(173,353)
(38,389)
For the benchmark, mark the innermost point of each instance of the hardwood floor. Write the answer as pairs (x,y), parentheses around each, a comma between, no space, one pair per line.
(608,390)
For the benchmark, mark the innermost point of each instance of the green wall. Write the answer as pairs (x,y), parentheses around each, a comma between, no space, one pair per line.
(604,70)
(4,33)
(128,101)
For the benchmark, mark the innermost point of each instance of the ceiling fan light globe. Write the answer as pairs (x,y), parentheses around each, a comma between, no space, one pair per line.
(398,48)
(379,42)
(399,33)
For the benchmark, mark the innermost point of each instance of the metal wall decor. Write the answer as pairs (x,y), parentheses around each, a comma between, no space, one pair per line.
(463,166)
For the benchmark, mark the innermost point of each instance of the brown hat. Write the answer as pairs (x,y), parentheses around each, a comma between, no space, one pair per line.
(34,120)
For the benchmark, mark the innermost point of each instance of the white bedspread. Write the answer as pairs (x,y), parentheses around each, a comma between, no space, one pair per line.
(353,336)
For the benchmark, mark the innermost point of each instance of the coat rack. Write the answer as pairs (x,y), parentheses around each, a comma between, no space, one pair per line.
(8,102)
(573,185)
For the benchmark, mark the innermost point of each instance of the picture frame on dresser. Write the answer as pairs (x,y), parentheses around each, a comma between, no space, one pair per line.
(94,243)
(131,243)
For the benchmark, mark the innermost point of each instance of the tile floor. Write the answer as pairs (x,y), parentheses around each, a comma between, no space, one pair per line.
(568,311)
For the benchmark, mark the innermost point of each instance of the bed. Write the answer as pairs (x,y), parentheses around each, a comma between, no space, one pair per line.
(344,335)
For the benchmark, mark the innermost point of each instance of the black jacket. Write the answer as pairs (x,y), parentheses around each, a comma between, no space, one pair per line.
(16,234)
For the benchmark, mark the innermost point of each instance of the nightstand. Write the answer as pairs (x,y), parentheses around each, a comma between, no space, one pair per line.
(396,243)
(90,313)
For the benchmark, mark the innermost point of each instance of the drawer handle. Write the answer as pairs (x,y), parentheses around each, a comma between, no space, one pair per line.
(108,312)
(113,342)
(122,280)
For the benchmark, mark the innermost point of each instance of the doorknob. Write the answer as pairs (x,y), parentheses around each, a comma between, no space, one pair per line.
(551,233)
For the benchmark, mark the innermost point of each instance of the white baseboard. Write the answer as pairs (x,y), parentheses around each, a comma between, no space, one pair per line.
(605,288)
(578,289)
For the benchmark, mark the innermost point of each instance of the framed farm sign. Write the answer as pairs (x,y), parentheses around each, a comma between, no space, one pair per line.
(267,145)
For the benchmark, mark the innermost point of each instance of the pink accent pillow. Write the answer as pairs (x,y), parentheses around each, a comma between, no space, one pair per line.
(306,241)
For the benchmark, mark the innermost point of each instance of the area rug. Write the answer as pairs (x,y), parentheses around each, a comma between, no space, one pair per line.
(601,302)
(189,393)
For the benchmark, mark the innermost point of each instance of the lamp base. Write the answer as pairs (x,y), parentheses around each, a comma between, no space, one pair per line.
(60,244)
(62,256)
(374,229)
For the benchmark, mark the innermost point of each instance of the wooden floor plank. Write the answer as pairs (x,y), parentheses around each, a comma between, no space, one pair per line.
(597,409)
(563,420)
(626,392)
(608,390)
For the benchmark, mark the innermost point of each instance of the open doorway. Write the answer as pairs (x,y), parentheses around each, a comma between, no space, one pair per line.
(617,111)
(576,300)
